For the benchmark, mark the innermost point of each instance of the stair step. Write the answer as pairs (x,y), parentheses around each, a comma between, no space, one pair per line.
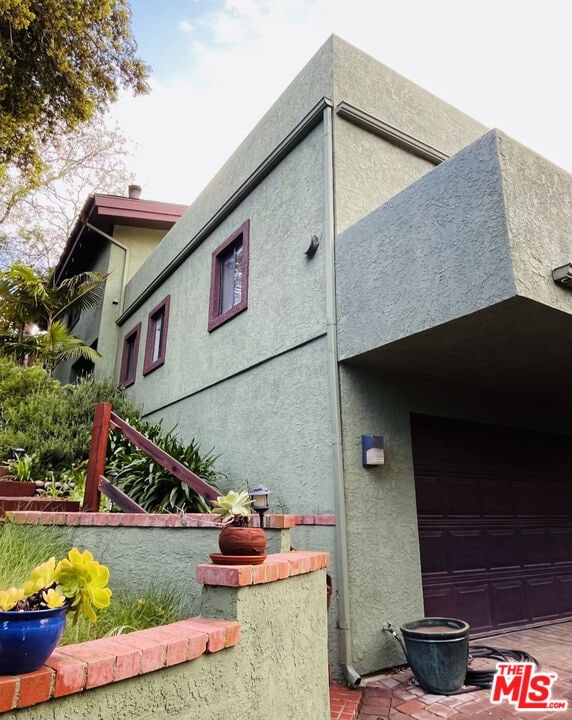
(17,488)
(38,504)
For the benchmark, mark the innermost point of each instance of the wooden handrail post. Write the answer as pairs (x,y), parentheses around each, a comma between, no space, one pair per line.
(97,456)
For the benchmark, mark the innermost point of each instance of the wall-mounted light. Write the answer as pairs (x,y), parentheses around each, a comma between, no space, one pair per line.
(313,246)
(563,275)
(259,501)
(372,451)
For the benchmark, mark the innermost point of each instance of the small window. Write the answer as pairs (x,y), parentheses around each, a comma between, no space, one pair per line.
(229,277)
(156,342)
(130,354)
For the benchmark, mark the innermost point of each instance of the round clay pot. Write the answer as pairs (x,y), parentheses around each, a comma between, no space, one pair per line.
(242,540)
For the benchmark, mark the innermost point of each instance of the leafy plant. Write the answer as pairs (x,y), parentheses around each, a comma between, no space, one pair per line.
(21,468)
(150,485)
(78,582)
(33,298)
(233,508)
(50,420)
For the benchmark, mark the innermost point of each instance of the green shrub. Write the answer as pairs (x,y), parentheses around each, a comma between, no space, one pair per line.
(148,483)
(51,421)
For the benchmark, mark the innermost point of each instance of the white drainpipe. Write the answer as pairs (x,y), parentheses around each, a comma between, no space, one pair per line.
(125,260)
(345,642)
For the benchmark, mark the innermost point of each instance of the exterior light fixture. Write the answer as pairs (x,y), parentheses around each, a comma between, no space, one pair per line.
(563,275)
(372,451)
(17,452)
(313,246)
(259,501)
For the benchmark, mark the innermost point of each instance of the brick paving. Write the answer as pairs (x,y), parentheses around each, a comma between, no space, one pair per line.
(344,702)
(395,696)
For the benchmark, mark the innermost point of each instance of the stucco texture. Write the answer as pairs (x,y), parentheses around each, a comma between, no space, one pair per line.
(435,252)
(168,556)
(385,573)
(538,200)
(312,83)
(362,81)
(285,625)
(285,296)
(269,425)
(277,671)
(369,171)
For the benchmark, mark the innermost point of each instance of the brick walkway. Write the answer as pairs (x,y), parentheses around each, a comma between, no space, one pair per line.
(394,696)
(344,702)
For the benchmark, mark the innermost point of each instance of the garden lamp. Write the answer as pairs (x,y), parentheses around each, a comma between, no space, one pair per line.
(17,452)
(259,501)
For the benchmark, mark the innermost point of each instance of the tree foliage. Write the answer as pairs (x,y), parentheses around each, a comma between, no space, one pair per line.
(60,62)
(35,223)
(30,299)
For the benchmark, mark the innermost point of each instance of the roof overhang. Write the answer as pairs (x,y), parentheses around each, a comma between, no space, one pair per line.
(104,212)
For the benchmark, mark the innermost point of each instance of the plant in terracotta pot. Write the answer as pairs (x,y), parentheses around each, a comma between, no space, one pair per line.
(238,541)
(33,616)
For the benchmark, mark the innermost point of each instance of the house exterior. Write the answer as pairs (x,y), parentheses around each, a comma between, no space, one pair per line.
(373,262)
(113,235)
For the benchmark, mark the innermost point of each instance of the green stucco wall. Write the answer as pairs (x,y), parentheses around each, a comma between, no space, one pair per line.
(277,671)
(385,574)
(539,220)
(285,297)
(268,425)
(169,556)
(257,387)
(441,245)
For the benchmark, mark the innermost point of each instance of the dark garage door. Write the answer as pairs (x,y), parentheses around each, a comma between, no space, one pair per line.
(494,510)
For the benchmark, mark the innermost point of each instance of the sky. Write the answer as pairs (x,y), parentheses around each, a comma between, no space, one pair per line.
(218,66)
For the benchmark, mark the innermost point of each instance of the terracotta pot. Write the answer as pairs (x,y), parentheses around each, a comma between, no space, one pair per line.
(242,541)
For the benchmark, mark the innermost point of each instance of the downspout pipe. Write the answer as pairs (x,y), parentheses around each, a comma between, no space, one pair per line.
(125,260)
(353,678)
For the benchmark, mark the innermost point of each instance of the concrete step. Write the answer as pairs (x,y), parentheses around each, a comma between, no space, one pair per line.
(38,504)
(17,488)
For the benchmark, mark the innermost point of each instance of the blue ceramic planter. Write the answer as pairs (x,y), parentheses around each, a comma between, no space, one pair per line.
(28,638)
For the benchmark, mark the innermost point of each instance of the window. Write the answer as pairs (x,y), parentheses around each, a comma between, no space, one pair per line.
(229,277)
(129,359)
(156,342)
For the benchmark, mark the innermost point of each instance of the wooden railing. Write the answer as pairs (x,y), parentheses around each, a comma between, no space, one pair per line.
(105,420)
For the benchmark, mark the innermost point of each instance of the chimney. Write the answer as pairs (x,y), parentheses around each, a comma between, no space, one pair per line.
(135,192)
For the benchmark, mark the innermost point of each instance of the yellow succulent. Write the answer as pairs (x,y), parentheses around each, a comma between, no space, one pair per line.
(78,581)
(9,597)
(53,598)
(41,577)
(83,580)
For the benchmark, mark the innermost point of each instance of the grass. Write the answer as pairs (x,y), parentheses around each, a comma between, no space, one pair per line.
(21,549)
(126,614)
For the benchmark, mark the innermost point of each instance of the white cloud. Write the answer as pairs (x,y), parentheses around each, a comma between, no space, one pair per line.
(186,26)
(506,63)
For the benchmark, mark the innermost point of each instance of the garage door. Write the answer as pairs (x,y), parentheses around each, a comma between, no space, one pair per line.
(494,512)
